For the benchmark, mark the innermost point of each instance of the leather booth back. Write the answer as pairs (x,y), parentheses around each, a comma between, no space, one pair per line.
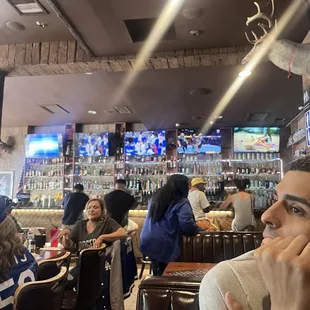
(214,247)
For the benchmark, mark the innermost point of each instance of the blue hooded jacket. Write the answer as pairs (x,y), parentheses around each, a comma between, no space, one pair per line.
(161,240)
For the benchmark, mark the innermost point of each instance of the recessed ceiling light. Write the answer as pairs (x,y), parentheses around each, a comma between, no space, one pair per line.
(211,122)
(219,117)
(27,7)
(88,73)
(192,13)
(200,92)
(42,24)
(92,112)
(245,73)
(15,26)
(195,33)
(300,108)
(177,125)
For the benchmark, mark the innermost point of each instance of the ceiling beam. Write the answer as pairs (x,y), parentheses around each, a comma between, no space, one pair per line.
(67,57)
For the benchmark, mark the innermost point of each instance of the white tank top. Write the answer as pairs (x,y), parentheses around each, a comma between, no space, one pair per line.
(243,210)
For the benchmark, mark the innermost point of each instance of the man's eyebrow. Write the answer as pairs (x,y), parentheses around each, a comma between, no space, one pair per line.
(297,199)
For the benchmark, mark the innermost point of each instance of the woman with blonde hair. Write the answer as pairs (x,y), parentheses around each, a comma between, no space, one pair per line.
(17,264)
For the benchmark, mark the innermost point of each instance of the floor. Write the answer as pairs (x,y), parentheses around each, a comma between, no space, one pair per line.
(130,303)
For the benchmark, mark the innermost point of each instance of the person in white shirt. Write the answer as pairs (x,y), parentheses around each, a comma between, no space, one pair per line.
(200,204)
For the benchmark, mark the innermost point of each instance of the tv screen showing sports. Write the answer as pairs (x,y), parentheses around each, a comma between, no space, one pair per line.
(145,143)
(190,141)
(44,146)
(92,144)
(256,139)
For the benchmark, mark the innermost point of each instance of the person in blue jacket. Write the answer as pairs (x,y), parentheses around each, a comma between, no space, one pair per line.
(17,265)
(169,217)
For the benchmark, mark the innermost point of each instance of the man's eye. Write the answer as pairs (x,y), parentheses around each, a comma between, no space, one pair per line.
(296,211)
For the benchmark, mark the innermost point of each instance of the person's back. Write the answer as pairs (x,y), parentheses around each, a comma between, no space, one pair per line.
(242,203)
(74,204)
(17,265)
(118,204)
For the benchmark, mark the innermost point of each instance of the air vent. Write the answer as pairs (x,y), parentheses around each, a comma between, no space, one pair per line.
(27,7)
(54,109)
(257,117)
(122,109)
(139,29)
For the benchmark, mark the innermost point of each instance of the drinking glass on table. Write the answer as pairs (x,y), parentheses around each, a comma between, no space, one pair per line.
(54,234)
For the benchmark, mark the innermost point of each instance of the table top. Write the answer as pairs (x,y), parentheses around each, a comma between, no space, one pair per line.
(188,269)
(46,254)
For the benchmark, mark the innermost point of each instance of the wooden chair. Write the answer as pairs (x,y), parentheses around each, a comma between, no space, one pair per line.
(41,295)
(89,282)
(49,268)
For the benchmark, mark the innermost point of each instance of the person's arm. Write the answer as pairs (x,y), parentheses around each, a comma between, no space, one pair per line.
(204,203)
(113,232)
(227,202)
(70,237)
(186,220)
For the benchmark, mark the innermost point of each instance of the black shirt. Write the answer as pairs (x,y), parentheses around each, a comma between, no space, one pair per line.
(74,204)
(118,204)
(84,240)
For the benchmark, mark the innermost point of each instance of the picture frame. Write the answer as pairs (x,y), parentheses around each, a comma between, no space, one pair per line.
(7,183)
(44,11)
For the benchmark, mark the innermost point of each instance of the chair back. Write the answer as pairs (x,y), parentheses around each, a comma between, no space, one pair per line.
(51,267)
(40,295)
(91,275)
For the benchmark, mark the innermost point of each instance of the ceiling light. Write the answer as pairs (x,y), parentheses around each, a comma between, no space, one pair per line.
(28,7)
(300,108)
(15,26)
(92,112)
(245,73)
(42,24)
(89,73)
(211,122)
(219,117)
(195,33)
(200,92)
(177,125)
(192,13)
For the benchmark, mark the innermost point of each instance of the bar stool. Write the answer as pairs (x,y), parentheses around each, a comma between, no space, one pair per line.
(145,261)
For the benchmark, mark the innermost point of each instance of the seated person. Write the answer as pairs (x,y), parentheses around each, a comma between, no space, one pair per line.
(289,216)
(17,265)
(94,231)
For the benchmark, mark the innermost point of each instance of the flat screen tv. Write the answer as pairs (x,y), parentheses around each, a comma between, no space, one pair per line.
(190,141)
(92,144)
(44,146)
(256,139)
(145,143)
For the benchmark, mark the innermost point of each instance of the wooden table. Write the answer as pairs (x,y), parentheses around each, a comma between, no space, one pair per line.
(174,268)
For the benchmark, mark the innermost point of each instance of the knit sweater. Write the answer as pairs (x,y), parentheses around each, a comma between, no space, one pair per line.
(239,276)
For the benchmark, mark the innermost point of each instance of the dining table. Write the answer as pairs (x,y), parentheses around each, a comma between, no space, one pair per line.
(188,269)
(43,254)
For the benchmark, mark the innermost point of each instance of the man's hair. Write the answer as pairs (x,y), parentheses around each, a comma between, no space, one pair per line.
(79,187)
(302,164)
(121,181)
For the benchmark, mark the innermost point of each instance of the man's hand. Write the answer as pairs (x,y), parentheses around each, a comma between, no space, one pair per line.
(64,232)
(231,303)
(284,264)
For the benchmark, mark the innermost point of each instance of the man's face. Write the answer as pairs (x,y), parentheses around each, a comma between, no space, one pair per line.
(201,187)
(290,215)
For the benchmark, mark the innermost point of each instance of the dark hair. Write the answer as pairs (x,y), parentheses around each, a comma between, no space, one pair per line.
(301,164)
(242,184)
(79,187)
(170,194)
(120,181)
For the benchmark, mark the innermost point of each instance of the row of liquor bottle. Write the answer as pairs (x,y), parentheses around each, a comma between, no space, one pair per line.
(256,156)
(36,172)
(93,171)
(199,157)
(200,168)
(96,185)
(95,160)
(145,171)
(42,184)
(143,197)
(45,161)
(148,185)
(145,159)
(258,169)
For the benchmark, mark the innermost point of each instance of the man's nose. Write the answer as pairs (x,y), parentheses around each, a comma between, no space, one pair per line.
(274,215)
